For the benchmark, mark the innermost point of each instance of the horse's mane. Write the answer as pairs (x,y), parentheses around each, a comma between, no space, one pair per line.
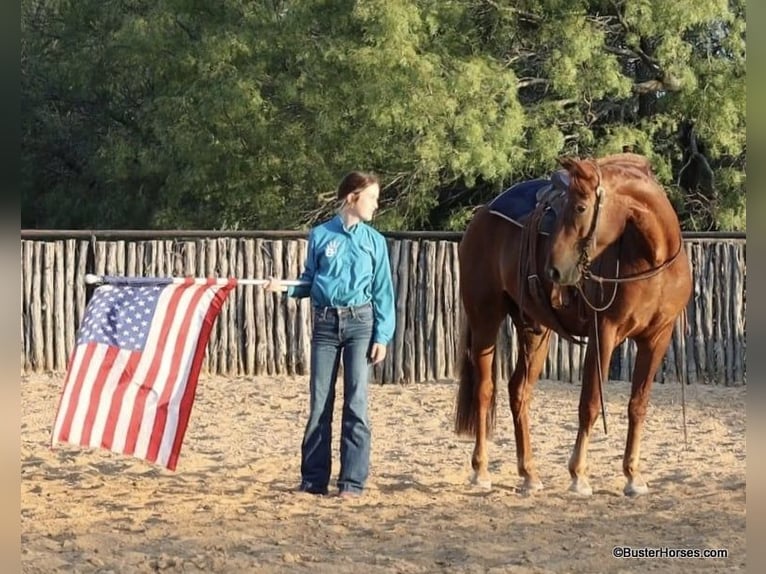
(634,159)
(628,164)
(620,167)
(631,166)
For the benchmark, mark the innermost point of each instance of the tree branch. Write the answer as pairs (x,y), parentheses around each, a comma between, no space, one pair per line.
(189,32)
(521,13)
(526,82)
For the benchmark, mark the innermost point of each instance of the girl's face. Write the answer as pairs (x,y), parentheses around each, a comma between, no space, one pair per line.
(364,203)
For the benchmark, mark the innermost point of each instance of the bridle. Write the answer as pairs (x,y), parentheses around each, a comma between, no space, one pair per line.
(589,242)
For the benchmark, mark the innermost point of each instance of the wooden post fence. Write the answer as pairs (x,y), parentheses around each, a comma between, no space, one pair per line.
(264,334)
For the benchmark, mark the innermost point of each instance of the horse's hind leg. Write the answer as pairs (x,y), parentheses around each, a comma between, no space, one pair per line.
(532,351)
(590,402)
(649,355)
(483,339)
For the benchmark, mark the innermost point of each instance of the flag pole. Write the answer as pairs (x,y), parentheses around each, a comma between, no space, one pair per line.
(92,279)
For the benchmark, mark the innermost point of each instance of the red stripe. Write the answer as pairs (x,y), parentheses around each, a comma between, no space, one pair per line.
(63,392)
(191,385)
(95,395)
(122,387)
(107,437)
(74,398)
(161,415)
(151,375)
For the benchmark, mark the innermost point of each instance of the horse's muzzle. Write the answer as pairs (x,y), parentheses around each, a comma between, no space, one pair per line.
(570,277)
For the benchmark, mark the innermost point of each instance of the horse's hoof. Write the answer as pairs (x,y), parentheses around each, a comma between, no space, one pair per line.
(631,489)
(531,486)
(581,487)
(483,483)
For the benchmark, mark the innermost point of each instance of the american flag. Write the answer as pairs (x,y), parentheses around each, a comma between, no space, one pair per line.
(132,376)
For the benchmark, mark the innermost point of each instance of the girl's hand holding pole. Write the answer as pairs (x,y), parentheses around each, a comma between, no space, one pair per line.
(275,286)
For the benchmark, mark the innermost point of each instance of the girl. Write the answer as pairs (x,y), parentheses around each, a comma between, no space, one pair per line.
(348,277)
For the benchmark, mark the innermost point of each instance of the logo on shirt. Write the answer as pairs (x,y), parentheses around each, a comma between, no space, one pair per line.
(332,248)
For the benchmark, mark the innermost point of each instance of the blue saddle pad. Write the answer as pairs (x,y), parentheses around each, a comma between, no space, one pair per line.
(521,199)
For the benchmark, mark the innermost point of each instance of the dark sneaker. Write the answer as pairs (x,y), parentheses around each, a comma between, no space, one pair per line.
(305,488)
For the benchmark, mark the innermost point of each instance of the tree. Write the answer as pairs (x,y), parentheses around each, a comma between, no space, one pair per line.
(234,114)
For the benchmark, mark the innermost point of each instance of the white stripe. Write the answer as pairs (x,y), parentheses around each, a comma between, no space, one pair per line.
(91,279)
(110,388)
(152,402)
(74,371)
(83,401)
(147,357)
(180,384)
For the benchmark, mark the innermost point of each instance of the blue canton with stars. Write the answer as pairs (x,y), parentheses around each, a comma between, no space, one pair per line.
(120,315)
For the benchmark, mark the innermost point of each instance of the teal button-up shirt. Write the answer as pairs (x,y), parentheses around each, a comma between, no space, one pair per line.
(350,267)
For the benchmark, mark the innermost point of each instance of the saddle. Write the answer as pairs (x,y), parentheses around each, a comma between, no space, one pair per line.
(550,200)
(519,202)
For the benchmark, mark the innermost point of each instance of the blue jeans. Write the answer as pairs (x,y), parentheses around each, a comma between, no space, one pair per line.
(345,332)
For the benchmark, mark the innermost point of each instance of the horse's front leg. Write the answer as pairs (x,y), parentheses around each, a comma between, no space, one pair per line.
(533,350)
(599,352)
(482,360)
(649,355)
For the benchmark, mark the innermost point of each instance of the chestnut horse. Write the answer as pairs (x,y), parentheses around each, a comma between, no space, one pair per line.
(612,268)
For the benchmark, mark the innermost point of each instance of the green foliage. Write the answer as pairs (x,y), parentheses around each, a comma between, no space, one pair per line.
(234,114)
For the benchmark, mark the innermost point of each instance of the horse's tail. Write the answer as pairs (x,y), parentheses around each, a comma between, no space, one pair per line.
(466,407)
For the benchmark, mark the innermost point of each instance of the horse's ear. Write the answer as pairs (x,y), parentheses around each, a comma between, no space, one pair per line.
(571,164)
(580,169)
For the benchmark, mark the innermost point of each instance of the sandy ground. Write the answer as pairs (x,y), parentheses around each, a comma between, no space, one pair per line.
(230,506)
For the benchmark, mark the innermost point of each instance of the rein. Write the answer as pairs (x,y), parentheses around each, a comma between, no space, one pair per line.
(587,274)
(589,241)
(584,262)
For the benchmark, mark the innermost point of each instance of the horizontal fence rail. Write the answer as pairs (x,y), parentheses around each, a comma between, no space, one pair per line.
(259,333)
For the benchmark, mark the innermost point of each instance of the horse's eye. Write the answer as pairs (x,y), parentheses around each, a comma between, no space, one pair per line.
(580,208)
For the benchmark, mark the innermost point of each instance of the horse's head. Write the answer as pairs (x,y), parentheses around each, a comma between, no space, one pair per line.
(580,233)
